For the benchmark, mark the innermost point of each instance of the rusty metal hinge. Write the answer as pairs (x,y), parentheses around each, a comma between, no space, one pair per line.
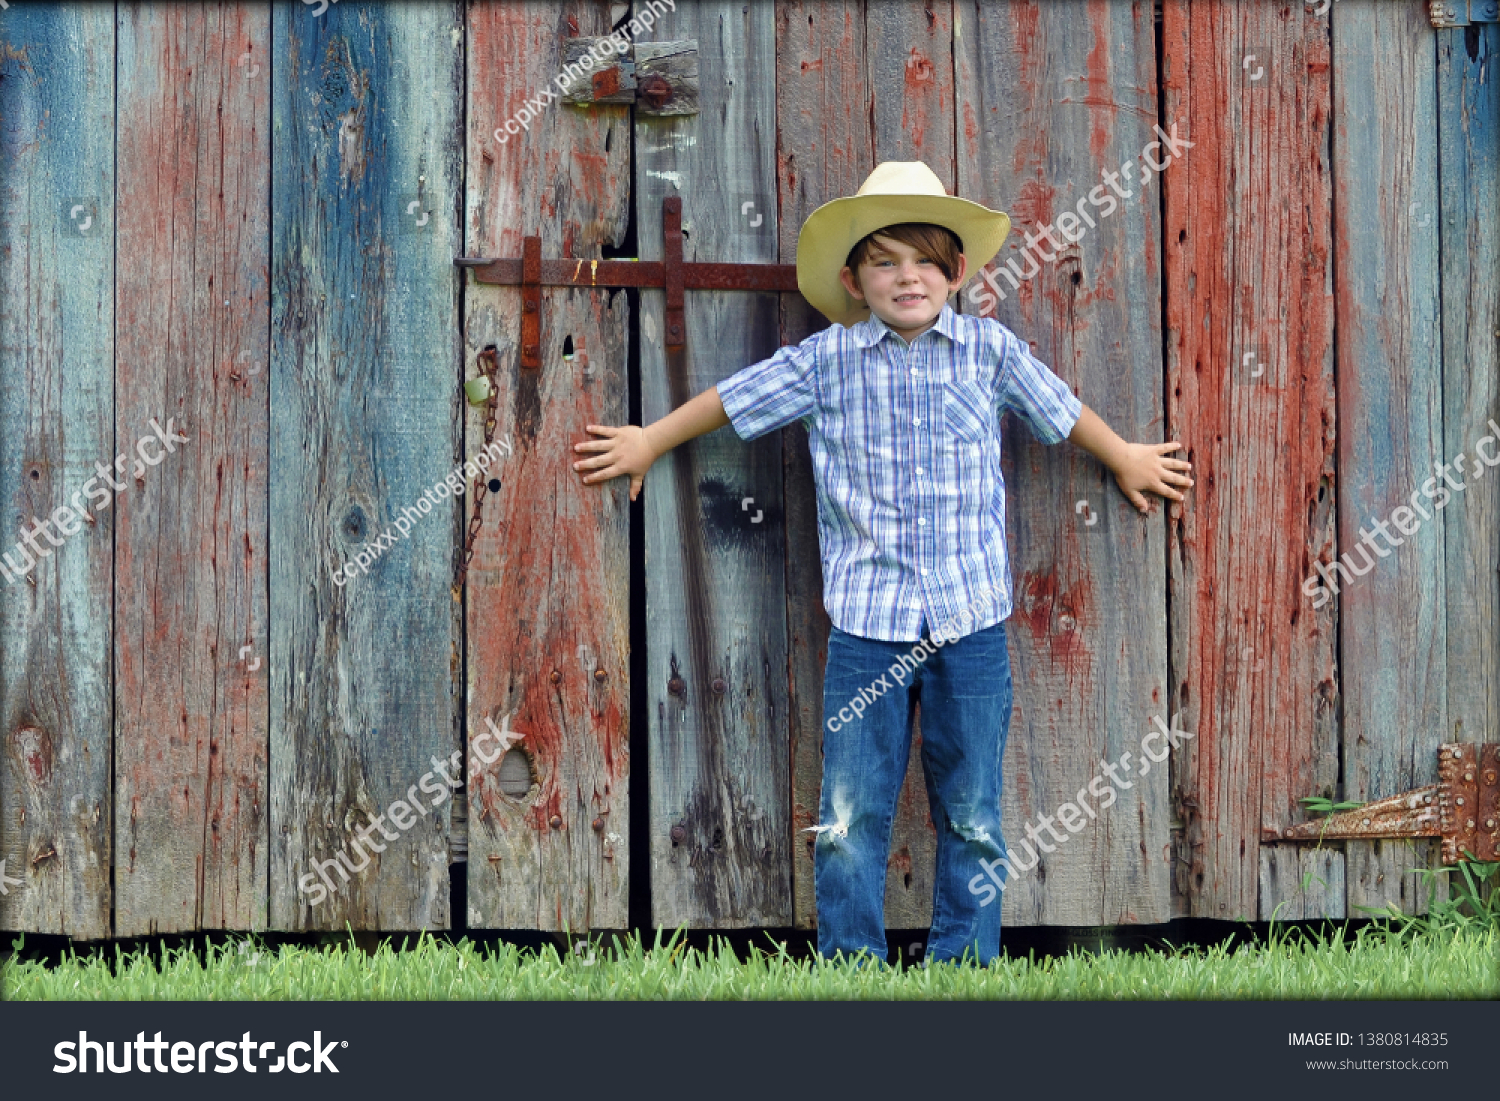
(670,274)
(1463,809)
(1460,13)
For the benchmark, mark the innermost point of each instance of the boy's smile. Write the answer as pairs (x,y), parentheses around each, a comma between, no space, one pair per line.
(905,288)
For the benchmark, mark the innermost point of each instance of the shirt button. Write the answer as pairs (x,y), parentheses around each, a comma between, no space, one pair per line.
(917,423)
(919,470)
(922,523)
(926,572)
(915,371)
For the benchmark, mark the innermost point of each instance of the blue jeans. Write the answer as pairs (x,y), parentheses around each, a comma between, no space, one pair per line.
(965,691)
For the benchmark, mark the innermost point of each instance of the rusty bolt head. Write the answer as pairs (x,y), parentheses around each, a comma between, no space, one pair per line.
(678,834)
(556,677)
(600,675)
(655,90)
(677,687)
(529,307)
(720,686)
(598,824)
(555,822)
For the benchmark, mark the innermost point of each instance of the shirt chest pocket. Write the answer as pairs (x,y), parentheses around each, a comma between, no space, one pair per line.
(967,410)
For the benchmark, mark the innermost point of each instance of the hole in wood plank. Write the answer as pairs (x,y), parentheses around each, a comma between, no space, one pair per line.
(494,485)
(568,348)
(515,774)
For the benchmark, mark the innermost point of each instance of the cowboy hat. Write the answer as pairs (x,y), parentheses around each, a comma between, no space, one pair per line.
(897,191)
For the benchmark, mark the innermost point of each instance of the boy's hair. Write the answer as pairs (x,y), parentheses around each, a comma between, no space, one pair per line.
(941,244)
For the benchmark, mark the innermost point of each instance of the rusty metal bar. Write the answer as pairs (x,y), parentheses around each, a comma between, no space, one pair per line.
(1463,809)
(1414,814)
(531,302)
(671,224)
(635,273)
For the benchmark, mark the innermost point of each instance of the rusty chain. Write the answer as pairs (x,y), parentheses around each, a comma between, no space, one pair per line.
(489,365)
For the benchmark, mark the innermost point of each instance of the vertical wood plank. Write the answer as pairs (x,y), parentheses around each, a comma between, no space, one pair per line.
(1393,630)
(1050,96)
(1301,882)
(364,677)
(192,308)
(57,249)
(548,616)
(715,577)
(856,85)
(1468,109)
(1248,242)
(824,151)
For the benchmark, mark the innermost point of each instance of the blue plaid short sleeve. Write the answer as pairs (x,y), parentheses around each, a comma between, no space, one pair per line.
(1030,389)
(775,392)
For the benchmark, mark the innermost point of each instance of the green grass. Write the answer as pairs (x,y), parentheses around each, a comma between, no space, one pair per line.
(1451,952)
(1460,965)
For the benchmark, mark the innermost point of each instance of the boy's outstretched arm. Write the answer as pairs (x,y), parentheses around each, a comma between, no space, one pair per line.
(631,450)
(1136,466)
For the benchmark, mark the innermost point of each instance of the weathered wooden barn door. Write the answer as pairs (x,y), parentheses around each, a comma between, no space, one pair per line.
(548,633)
(1004,101)
(715,567)
(1338,225)
(240,220)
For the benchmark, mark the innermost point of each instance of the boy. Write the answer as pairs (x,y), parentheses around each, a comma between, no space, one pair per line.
(901,397)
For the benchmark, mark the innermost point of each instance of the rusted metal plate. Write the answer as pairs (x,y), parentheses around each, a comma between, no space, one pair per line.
(1458,800)
(1488,818)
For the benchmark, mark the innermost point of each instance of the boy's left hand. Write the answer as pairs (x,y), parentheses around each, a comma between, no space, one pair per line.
(1144,467)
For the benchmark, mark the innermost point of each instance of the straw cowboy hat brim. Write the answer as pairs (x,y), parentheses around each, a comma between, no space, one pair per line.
(897,191)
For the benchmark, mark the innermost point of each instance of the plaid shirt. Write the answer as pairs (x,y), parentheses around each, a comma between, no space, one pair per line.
(905,442)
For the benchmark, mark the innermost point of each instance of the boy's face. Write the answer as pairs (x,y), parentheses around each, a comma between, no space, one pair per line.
(905,288)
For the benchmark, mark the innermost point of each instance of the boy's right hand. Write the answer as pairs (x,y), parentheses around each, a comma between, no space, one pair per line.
(624,450)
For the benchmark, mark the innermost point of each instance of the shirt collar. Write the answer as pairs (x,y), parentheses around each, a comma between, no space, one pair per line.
(872,330)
